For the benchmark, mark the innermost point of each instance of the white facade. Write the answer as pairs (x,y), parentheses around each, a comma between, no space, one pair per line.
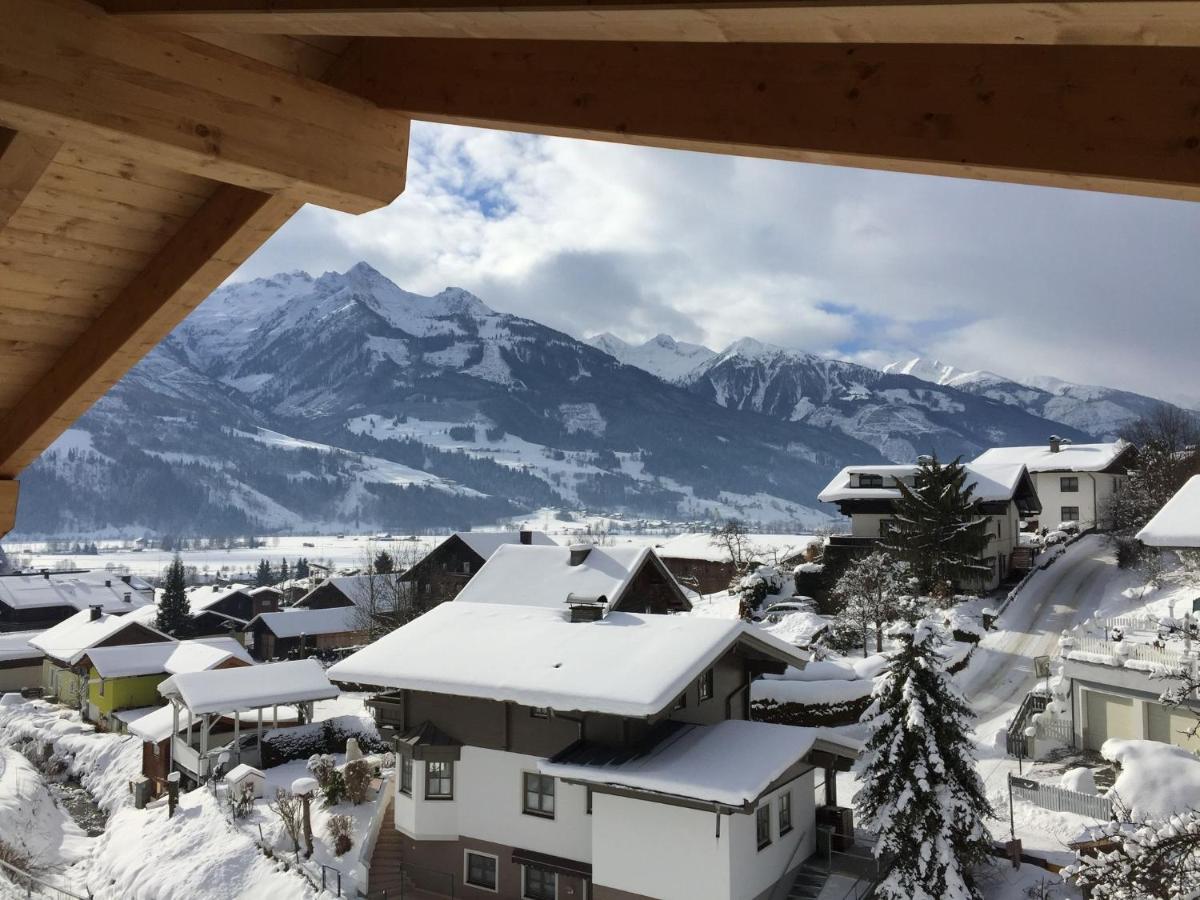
(1091,491)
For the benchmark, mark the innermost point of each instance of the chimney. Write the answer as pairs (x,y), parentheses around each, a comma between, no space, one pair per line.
(46,574)
(579,552)
(108,582)
(1055,443)
(526,536)
(95,613)
(586,609)
(128,597)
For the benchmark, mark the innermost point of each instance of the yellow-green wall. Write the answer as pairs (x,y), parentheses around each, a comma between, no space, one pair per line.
(60,683)
(123,693)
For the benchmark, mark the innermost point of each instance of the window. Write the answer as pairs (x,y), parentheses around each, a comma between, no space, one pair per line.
(406,775)
(1069,484)
(763,823)
(870,481)
(439,780)
(466,567)
(481,870)
(785,813)
(706,685)
(1069,514)
(681,703)
(539,883)
(539,712)
(539,794)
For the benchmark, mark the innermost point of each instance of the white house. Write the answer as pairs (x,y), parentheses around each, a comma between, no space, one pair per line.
(1004,495)
(549,753)
(1177,525)
(1073,481)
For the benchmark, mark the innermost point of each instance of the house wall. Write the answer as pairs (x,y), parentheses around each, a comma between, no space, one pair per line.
(41,617)
(20,675)
(60,683)
(651,590)
(326,596)
(755,872)
(867,524)
(1095,489)
(710,575)
(658,850)
(1146,718)
(108,695)
(444,571)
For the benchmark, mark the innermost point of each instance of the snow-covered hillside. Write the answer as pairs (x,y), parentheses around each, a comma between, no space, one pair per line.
(662,355)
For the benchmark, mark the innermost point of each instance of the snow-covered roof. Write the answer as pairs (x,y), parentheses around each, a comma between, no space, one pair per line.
(763,547)
(77,589)
(173,657)
(155,726)
(250,687)
(732,762)
(992,482)
(15,645)
(543,576)
(485,543)
(201,598)
(1069,458)
(625,664)
(290,623)
(71,638)
(1177,524)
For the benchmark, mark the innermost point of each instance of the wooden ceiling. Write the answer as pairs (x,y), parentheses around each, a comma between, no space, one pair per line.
(148,147)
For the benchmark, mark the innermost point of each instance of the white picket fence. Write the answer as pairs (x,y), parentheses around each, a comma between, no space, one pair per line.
(1057,799)
(1170,659)
(1131,623)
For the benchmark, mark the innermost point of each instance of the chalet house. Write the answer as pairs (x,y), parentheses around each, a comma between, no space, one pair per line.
(64,677)
(448,567)
(705,566)
(20,663)
(298,631)
(29,602)
(569,752)
(1004,496)
(625,579)
(338,590)
(127,677)
(225,609)
(1073,481)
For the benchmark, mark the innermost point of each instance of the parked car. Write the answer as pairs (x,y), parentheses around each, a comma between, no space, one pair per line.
(776,611)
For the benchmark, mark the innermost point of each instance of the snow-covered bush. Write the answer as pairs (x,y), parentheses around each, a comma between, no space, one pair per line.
(340,829)
(333,791)
(1054,537)
(357,781)
(321,766)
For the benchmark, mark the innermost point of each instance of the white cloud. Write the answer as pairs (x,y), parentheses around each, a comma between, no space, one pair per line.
(590,237)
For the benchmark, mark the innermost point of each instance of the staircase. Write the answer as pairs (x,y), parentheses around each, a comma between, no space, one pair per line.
(387,878)
(808,883)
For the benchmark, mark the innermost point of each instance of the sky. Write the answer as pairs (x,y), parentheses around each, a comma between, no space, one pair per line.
(870,266)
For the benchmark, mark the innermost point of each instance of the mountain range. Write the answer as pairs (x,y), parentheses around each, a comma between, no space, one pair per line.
(342,401)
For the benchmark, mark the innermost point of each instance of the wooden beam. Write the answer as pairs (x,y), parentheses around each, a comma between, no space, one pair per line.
(8,505)
(1133,22)
(23,159)
(202,254)
(1120,119)
(69,72)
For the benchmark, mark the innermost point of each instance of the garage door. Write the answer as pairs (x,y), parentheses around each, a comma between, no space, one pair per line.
(1170,726)
(1108,716)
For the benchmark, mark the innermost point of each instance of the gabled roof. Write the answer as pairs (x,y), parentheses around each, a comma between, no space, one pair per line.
(15,645)
(290,623)
(75,589)
(71,638)
(1069,458)
(993,482)
(201,598)
(1177,524)
(485,543)
(355,588)
(731,763)
(250,687)
(172,658)
(543,576)
(625,664)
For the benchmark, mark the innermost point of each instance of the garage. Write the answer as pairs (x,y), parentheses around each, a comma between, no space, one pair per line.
(1108,716)
(1171,726)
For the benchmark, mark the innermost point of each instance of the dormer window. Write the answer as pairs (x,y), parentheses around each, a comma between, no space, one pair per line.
(870,481)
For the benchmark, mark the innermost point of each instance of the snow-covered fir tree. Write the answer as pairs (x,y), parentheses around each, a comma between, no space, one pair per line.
(263,576)
(1148,859)
(920,789)
(870,594)
(937,529)
(174,610)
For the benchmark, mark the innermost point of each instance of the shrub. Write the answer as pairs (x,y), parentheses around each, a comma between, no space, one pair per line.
(810,715)
(333,791)
(321,766)
(287,807)
(1129,552)
(358,780)
(340,828)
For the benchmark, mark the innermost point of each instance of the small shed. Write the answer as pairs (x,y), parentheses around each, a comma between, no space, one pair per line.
(245,774)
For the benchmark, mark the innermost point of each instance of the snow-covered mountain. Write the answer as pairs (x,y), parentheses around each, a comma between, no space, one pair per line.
(1098,411)
(899,415)
(343,401)
(662,355)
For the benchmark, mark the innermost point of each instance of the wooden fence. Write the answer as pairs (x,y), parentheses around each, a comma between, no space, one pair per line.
(1168,659)
(1058,799)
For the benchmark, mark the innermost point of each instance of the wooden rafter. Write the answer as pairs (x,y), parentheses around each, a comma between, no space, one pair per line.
(1119,119)
(228,227)
(23,159)
(69,72)
(1133,22)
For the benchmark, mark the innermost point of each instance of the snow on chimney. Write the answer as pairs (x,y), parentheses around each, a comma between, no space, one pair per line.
(95,613)
(579,552)
(526,536)
(586,609)
(1056,443)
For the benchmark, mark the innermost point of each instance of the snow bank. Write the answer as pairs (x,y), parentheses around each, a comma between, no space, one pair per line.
(1156,779)
(1080,779)
(31,821)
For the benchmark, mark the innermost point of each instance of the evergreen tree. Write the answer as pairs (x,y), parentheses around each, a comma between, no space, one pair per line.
(301,569)
(937,530)
(283,570)
(384,564)
(174,611)
(264,576)
(870,594)
(920,789)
